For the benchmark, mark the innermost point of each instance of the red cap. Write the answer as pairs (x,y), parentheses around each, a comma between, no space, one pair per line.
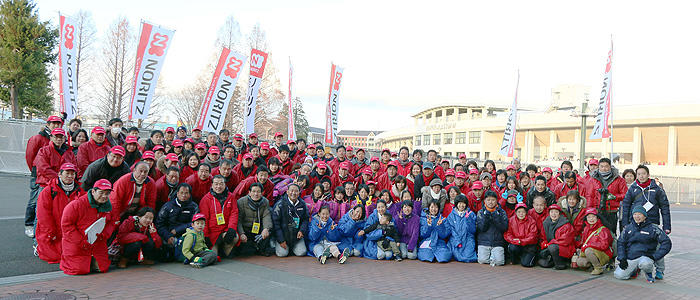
(98,130)
(189,140)
(158,147)
(510,167)
(54,119)
(477,185)
(200,146)
(247,156)
(321,165)
(289,142)
(590,210)
(58,131)
(450,172)
(311,146)
(373,159)
(547,169)
(554,206)
(367,172)
(386,150)
(214,150)
(462,156)
(69,166)
(461,174)
(474,171)
(170,129)
(238,137)
(148,155)
(118,150)
(394,154)
(593,161)
(394,164)
(103,184)
(253,135)
(345,165)
(278,134)
(446,161)
(359,149)
(196,129)
(178,143)
(348,148)
(198,216)
(171,157)
(131,140)
(265,146)
(522,205)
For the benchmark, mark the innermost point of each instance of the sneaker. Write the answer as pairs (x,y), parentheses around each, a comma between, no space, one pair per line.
(343,256)
(597,271)
(560,267)
(326,253)
(197,265)
(398,258)
(650,277)
(29,231)
(659,275)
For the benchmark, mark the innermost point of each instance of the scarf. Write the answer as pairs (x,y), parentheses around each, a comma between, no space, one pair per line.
(68,188)
(404,162)
(645,184)
(254,205)
(435,195)
(461,213)
(220,196)
(490,209)
(101,207)
(550,227)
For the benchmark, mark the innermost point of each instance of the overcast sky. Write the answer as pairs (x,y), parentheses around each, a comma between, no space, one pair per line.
(404,56)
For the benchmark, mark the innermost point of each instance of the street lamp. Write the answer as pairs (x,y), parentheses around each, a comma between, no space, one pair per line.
(583,115)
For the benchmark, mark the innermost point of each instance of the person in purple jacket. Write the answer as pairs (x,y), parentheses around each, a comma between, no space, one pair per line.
(408,226)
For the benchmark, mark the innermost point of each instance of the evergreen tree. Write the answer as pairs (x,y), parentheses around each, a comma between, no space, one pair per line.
(301,125)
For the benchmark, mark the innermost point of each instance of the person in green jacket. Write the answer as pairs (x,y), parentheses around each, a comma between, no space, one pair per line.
(198,254)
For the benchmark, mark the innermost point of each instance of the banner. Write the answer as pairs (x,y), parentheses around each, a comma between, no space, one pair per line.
(291,133)
(149,62)
(508,144)
(601,128)
(67,71)
(332,108)
(211,116)
(257,67)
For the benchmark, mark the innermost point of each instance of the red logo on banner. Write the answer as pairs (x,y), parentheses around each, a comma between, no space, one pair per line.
(338,77)
(160,41)
(233,66)
(68,36)
(257,60)
(609,64)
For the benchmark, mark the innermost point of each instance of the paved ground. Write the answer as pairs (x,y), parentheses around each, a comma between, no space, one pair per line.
(274,278)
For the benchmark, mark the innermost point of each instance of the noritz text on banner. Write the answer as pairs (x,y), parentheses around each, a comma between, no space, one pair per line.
(333,102)
(508,144)
(218,97)
(67,71)
(150,56)
(257,67)
(291,133)
(601,128)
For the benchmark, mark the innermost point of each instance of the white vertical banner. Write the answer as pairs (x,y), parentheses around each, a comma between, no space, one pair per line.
(67,71)
(601,128)
(218,97)
(508,144)
(291,133)
(150,56)
(331,136)
(257,67)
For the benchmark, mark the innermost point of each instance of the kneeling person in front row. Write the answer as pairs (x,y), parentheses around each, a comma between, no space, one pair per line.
(491,223)
(637,247)
(291,219)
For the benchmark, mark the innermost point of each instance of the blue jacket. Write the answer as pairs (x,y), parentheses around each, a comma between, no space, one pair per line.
(462,243)
(175,215)
(284,226)
(316,235)
(348,231)
(369,246)
(636,196)
(434,234)
(638,240)
(490,227)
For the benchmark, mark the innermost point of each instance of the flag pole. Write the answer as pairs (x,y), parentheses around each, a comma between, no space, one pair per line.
(611,104)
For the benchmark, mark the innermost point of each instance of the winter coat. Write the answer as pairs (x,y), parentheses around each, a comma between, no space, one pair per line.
(100,169)
(231,181)
(490,227)
(548,195)
(193,243)
(617,187)
(317,235)
(89,152)
(241,175)
(598,237)
(49,160)
(434,235)
(247,215)
(210,207)
(539,218)
(348,233)
(404,169)
(462,241)
(420,183)
(244,186)
(638,196)
(123,192)
(563,236)
(638,240)
(130,232)
(76,251)
(409,229)
(563,189)
(337,181)
(289,219)
(185,172)
(34,144)
(428,196)
(175,215)
(199,187)
(49,211)
(163,191)
(522,232)
(314,205)
(574,215)
(475,204)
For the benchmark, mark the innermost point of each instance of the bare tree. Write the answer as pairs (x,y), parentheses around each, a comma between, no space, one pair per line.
(229,36)
(187,101)
(117,66)
(86,34)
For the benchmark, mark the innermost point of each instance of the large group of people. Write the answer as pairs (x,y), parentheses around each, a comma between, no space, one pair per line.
(114,198)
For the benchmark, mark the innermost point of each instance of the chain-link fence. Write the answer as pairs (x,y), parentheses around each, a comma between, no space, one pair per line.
(13,143)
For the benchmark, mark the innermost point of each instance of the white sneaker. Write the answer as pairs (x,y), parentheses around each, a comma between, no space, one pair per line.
(36,252)
(29,231)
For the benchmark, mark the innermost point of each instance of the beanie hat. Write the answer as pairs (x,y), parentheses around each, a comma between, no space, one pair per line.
(639,209)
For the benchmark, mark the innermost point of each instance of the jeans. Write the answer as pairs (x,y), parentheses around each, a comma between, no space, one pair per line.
(526,254)
(34,190)
(490,255)
(643,263)
(299,249)
(407,254)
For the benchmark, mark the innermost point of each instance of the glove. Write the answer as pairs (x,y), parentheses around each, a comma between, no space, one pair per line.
(230,236)
(207,241)
(623,264)
(602,190)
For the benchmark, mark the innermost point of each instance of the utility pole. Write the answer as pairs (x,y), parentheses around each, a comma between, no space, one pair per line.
(582,150)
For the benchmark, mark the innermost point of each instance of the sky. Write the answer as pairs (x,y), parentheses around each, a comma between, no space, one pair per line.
(401,57)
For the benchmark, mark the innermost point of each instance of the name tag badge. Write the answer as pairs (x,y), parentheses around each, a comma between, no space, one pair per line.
(296,221)
(648,205)
(220,219)
(643,232)
(256,228)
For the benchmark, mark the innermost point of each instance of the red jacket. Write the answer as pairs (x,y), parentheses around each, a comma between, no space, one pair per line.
(238,170)
(439,171)
(475,204)
(564,237)
(35,143)
(464,188)
(199,187)
(552,183)
(618,187)
(48,162)
(130,233)
(49,209)
(210,206)
(185,172)
(77,252)
(336,181)
(231,182)
(89,152)
(563,189)
(287,166)
(123,192)
(405,170)
(384,183)
(539,218)
(242,189)
(525,231)
(162,192)
(335,165)
(599,240)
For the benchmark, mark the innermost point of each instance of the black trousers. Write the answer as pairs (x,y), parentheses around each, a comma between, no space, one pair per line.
(550,257)
(131,250)
(525,254)
(251,247)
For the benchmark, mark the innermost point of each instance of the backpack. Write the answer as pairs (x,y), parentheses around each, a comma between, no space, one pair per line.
(178,248)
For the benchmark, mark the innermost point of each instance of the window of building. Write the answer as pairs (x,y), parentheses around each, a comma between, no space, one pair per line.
(461,138)
(418,140)
(474,155)
(475,137)
(447,138)
(449,114)
(447,154)
(426,140)
(459,153)
(436,139)
(476,114)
